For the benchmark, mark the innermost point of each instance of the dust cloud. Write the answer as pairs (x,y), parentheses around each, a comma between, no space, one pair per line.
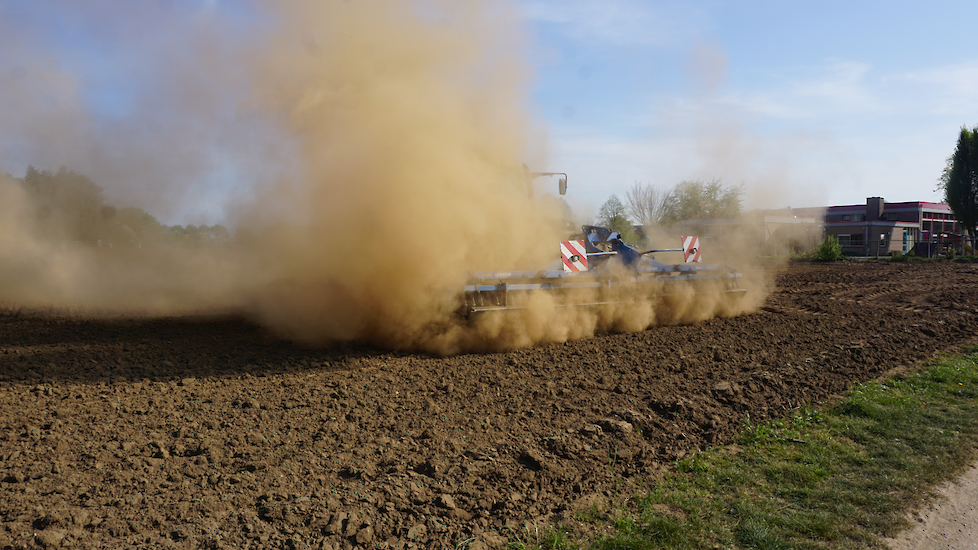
(42,270)
(394,132)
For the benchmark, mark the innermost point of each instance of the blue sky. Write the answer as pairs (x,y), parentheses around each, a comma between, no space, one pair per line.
(806,103)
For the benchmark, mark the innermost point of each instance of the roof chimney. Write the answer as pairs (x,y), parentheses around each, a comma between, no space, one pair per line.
(874,208)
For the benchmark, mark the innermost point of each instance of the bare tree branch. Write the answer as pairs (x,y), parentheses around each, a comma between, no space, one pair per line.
(645,203)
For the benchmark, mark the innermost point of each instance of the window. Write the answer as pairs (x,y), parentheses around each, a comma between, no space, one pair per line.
(850,240)
(846,218)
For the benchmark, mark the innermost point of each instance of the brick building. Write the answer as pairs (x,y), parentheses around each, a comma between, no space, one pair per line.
(880,228)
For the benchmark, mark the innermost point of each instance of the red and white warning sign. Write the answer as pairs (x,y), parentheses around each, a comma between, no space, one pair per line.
(691,249)
(574,255)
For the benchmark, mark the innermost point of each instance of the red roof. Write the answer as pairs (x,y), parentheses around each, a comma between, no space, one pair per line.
(895,205)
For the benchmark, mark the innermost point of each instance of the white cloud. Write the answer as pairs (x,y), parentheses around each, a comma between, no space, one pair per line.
(840,85)
(621,22)
(844,92)
(947,90)
(838,88)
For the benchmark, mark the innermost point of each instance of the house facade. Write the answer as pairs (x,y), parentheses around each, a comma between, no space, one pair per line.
(880,228)
(876,228)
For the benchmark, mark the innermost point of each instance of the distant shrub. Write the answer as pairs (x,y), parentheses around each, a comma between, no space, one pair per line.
(829,251)
(908,257)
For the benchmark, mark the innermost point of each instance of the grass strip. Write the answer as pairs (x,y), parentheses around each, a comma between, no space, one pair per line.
(839,478)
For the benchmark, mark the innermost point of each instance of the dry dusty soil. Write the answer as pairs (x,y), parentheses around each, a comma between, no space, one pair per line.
(208,432)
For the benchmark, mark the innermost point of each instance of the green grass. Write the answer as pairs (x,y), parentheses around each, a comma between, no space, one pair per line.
(839,478)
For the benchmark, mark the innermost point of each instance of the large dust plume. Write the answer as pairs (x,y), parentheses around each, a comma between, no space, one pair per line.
(408,126)
(386,141)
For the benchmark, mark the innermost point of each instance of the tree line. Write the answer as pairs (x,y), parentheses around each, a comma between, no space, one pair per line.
(69,206)
(649,205)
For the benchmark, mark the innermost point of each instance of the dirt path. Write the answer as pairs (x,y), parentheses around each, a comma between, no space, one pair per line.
(198,432)
(951,523)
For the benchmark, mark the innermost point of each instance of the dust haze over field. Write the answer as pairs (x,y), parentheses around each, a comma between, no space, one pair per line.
(381,143)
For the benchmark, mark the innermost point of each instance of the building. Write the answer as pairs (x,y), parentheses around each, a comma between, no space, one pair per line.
(880,228)
(877,228)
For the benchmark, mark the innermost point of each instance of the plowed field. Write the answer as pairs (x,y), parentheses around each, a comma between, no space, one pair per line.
(208,432)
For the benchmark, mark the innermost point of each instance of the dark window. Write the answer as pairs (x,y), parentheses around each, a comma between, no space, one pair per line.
(851,240)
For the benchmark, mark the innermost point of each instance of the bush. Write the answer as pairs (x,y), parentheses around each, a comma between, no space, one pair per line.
(829,251)
(908,257)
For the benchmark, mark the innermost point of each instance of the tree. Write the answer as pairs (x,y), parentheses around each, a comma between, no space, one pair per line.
(960,180)
(612,215)
(143,225)
(196,235)
(68,204)
(646,203)
(694,199)
(218,233)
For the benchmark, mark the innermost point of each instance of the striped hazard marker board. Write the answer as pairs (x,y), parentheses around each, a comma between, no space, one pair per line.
(574,256)
(691,249)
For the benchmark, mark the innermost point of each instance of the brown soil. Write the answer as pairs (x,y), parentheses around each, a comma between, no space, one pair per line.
(208,432)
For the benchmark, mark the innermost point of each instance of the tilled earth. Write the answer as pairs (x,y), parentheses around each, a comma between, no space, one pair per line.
(208,432)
